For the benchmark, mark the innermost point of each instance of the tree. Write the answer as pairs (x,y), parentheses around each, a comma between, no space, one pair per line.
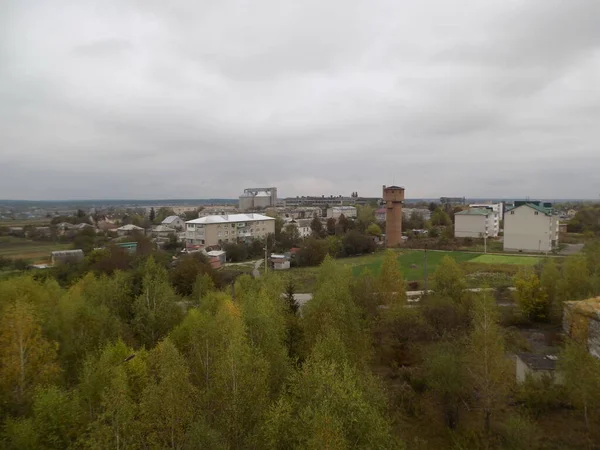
(184,274)
(342,224)
(316,227)
(449,280)
(529,295)
(365,217)
(486,362)
(447,378)
(236,252)
(27,359)
(355,243)
(550,286)
(168,404)
(330,225)
(152,214)
(312,252)
(581,373)
(440,218)
(374,230)
(391,286)
(575,281)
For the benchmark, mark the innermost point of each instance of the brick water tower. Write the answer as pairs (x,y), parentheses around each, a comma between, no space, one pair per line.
(393,198)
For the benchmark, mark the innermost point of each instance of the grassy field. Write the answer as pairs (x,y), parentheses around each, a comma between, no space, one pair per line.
(21,248)
(489,270)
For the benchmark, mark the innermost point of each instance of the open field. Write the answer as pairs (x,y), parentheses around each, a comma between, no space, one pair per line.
(24,222)
(488,270)
(21,248)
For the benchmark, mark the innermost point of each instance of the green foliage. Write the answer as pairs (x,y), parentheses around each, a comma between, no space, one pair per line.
(449,280)
(550,286)
(530,297)
(519,432)
(312,252)
(187,270)
(374,230)
(440,218)
(575,281)
(391,285)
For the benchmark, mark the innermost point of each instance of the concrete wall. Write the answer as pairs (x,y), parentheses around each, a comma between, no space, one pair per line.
(394,199)
(524,230)
(472,226)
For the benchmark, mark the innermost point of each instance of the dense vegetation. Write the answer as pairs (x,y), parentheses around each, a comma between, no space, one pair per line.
(149,354)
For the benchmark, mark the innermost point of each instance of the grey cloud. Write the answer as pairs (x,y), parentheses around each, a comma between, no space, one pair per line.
(150,99)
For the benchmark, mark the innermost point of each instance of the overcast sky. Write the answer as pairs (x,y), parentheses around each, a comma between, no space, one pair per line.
(198,99)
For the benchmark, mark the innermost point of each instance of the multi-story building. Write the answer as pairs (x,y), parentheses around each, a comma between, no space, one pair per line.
(303,226)
(476,223)
(337,211)
(216,230)
(530,227)
(498,208)
(254,198)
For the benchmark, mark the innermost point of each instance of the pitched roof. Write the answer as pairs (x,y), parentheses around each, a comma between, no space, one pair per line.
(543,210)
(230,218)
(170,219)
(539,362)
(475,212)
(162,229)
(129,227)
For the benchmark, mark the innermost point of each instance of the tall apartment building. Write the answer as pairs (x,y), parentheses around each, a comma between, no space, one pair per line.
(476,223)
(216,230)
(530,227)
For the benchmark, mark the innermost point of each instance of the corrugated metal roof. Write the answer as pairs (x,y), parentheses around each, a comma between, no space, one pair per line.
(230,218)
(170,219)
(475,212)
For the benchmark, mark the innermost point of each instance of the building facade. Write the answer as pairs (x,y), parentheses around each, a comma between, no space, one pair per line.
(174,222)
(258,198)
(217,230)
(476,223)
(530,227)
(335,212)
(498,208)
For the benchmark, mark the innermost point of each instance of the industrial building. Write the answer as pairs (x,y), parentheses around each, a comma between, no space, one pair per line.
(336,211)
(331,200)
(393,198)
(258,198)
(530,227)
(216,230)
(476,223)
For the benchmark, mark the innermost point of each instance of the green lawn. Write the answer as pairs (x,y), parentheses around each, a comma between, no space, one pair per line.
(21,248)
(488,270)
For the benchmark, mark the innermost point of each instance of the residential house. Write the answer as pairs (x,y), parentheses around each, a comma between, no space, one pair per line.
(303,226)
(175,222)
(530,227)
(380,215)
(216,230)
(537,367)
(476,223)
(279,262)
(162,233)
(337,211)
(63,228)
(126,230)
(105,225)
(219,254)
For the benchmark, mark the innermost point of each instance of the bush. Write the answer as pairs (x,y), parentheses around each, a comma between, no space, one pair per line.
(540,396)
(520,432)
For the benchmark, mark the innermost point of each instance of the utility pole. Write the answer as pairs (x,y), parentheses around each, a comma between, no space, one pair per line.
(425,269)
(266,257)
(485,242)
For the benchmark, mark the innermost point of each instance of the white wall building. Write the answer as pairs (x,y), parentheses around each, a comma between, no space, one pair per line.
(174,222)
(303,226)
(216,230)
(530,227)
(337,211)
(498,208)
(476,223)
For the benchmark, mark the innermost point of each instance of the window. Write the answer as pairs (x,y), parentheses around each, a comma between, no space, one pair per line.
(536,213)
(219,234)
(512,212)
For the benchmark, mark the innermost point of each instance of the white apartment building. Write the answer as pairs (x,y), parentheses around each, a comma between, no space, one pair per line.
(303,226)
(216,230)
(337,211)
(498,208)
(476,223)
(530,227)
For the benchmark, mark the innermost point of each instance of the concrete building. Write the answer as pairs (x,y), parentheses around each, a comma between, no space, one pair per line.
(216,230)
(327,201)
(530,227)
(581,322)
(476,223)
(498,208)
(537,367)
(349,212)
(175,222)
(65,256)
(423,212)
(279,262)
(393,197)
(258,198)
(303,226)
(162,233)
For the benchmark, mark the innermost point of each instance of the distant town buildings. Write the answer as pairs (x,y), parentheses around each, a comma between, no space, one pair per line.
(476,223)
(126,230)
(175,222)
(216,230)
(530,227)
(303,226)
(336,211)
(258,198)
(393,197)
